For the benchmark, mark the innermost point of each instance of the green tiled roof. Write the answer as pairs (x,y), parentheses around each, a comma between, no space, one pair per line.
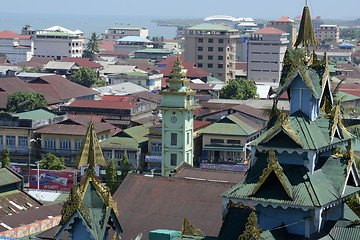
(311,134)
(230,125)
(318,189)
(136,74)
(35,115)
(345,230)
(55,34)
(7,177)
(139,132)
(120,143)
(154,50)
(345,97)
(214,27)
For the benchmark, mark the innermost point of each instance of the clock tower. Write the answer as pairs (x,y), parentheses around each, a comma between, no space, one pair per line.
(177,107)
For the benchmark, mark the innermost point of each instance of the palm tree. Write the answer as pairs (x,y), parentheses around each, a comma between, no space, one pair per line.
(93,45)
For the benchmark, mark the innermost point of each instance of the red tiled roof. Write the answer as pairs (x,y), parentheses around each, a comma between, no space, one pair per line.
(103,104)
(116,53)
(284,19)
(200,124)
(9,86)
(12,35)
(42,60)
(30,64)
(145,204)
(82,62)
(241,66)
(269,30)
(170,60)
(201,86)
(107,45)
(357,54)
(75,126)
(192,70)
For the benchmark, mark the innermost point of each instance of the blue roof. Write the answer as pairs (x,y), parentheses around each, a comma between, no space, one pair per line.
(346,44)
(133,39)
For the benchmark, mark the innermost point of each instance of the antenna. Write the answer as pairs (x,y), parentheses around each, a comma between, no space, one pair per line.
(306,2)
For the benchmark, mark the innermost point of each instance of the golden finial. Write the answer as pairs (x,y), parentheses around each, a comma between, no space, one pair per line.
(306,34)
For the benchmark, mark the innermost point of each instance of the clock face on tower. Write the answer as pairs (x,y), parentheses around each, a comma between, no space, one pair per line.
(173,119)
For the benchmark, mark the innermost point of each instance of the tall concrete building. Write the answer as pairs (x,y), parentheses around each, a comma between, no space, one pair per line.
(287,25)
(213,48)
(266,50)
(327,32)
(115,33)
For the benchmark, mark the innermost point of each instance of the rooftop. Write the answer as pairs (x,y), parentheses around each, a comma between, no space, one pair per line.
(269,30)
(36,115)
(133,39)
(214,27)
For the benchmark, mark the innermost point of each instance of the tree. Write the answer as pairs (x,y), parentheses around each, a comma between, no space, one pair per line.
(93,45)
(52,162)
(328,39)
(84,76)
(5,159)
(357,60)
(25,101)
(125,167)
(240,89)
(111,175)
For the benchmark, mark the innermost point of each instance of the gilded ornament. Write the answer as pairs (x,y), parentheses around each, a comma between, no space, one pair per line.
(252,229)
(231,204)
(189,229)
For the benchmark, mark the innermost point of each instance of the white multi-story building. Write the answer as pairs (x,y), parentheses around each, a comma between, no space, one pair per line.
(266,50)
(58,45)
(17,48)
(115,33)
(328,32)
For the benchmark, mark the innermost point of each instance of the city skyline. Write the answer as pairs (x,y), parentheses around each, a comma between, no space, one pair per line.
(189,9)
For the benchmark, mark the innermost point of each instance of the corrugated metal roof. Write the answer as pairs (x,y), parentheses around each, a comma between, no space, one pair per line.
(8,177)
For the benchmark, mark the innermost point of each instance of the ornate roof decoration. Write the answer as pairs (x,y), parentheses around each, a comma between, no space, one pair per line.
(189,229)
(282,122)
(239,204)
(177,70)
(274,166)
(338,122)
(252,229)
(306,34)
(90,151)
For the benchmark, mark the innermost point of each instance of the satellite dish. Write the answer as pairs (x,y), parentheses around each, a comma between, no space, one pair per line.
(139,236)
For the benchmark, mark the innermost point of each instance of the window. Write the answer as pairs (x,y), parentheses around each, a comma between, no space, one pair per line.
(221,40)
(220,58)
(107,154)
(173,159)
(118,154)
(233,142)
(200,49)
(210,57)
(210,65)
(210,49)
(10,141)
(65,143)
(173,139)
(220,49)
(220,65)
(188,138)
(200,40)
(211,40)
(23,142)
(188,157)
(155,149)
(215,140)
(78,143)
(200,65)
(200,57)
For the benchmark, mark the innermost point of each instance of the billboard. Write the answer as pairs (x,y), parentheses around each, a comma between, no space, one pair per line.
(52,180)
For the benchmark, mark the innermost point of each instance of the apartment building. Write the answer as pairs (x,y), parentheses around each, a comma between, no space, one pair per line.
(115,33)
(266,50)
(58,45)
(213,48)
(327,31)
(17,48)
(287,25)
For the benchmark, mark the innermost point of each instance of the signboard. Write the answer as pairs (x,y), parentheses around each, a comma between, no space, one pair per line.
(227,167)
(32,228)
(52,180)
(16,168)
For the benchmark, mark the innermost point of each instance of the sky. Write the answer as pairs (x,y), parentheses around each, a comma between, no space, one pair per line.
(260,9)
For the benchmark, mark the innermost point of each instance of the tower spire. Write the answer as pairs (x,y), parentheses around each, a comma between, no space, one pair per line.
(306,34)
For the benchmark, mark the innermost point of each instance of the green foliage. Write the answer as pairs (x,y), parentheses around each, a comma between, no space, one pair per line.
(5,159)
(350,33)
(328,39)
(239,89)
(125,167)
(52,162)
(357,60)
(93,45)
(24,68)
(25,101)
(111,175)
(84,76)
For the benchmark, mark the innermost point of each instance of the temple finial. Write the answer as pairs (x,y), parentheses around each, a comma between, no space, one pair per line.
(306,34)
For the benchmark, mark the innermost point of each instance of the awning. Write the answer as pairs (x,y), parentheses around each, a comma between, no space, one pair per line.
(223,148)
(153,159)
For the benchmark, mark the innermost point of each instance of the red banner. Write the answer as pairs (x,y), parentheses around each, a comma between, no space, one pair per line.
(52,180)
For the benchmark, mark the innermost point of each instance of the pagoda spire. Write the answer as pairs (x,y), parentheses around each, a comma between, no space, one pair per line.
(306,34)
(90,151)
